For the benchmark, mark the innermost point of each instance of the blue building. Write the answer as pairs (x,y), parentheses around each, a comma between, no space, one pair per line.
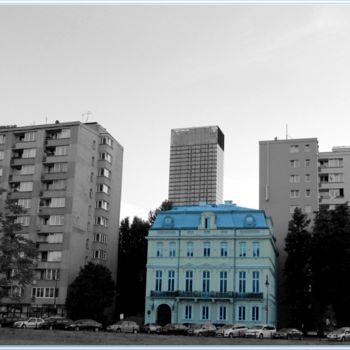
(211,263)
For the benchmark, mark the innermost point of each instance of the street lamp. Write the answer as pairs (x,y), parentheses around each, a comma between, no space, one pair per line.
(267,298)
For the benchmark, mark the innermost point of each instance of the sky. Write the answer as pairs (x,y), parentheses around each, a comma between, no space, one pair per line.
(256,71)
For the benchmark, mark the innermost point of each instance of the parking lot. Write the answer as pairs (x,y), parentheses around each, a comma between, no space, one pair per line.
(11,336)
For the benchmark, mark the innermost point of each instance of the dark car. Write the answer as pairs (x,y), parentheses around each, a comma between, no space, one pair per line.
(151,328)
(56,323)
(288,333)
(8,321)
(84,324)
(175,328)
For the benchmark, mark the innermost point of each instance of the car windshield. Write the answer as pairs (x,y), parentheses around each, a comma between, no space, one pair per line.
(340,330)
(257,327)
(283,330)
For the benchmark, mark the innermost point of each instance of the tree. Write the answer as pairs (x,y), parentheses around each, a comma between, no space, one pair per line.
(90,293)
(18,254)
(166,205)
(297,269)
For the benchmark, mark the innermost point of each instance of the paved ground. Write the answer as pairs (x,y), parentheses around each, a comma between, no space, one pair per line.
(10,336)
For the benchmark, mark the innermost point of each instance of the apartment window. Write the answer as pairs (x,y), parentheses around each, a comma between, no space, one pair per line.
(29,153)
(56,185)
(29,136)
(54,238)
(25,203)
(308,209)
(256,282)
(336,193)
(206,281)
(26,186)
(50,274)
(100,237)
(188,312)
(222,313)
(292,208)
(1,155)
(189,249)
(105,140)
(205,312)
(106,156)
(307,193)
(23,220)
(104,172)
(189,281)
(223,249)
(27,169)
(103,188)
(293,148)
(242,249)
(223,281)
(307,162)
(45,292)
(207,223)
(2,139)
(54,256)
(92,161)
(241,313)
(256,249)
(307,148)
(242,281)
(101,220)
(102,204)
(58,202)
(307,178)
(294,194)
(172,249)
(57,168)
(61,150)
(335,163)
(294,179)
(56,220)
(294,163)
(99,254)
(159,280)
(335,177)
(159,251)
(255,313)
(64,134)
(206,249)
(171,281)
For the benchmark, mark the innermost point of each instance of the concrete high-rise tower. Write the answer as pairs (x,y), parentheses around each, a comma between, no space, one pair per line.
(196,165)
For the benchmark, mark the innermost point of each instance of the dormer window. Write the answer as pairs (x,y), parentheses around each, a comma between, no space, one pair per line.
(168,222)
(208,221)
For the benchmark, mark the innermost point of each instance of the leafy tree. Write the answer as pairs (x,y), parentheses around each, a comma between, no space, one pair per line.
(18,254)
(90,293)
(297,269)
(166,205)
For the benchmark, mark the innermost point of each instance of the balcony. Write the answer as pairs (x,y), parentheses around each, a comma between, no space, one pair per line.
(206,295)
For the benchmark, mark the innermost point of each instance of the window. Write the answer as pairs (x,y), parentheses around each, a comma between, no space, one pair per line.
(2,139)
(29,153)
(25,203)
(102,204)
(307,148)
(189,249)
(241,313)
(61,150)
(24,220)
(223,282)
(50,274)
(307,162)
(1,155)
(56,220)
(106,156)
(307,178)
(92,161)
(104,172)
(206,248)
(255,313)
(54,238)
(54,256)
(242,282)
(58,202)
(188,312)
(56,168)
(207,223)
(159,281)
(256,282)
(29,136)
(335,163)
(105,140)
(189,281)
(99,254)
(294,163)
(171,281)
(294,179)
(47,292)
(294,194)
(205,312)
(159,251)
(256,249)
(25,186)
(56,185)
(64,134)
(242,249)
(100,237)
(15,291)
(222,313)
(292,209)
(223,249)
(101,220)
(335,178)
(103,188)
(172,249)
(206,281)
(293,148)
(27,169)
(307,193)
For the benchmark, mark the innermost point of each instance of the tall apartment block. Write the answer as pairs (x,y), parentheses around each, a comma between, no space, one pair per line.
(68,178)
(196,165)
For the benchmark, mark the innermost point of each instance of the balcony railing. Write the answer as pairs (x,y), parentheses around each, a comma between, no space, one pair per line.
(206,295)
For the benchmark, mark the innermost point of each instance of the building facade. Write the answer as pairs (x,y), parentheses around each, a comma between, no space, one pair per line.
(196,165)
(68,177)
(211,263)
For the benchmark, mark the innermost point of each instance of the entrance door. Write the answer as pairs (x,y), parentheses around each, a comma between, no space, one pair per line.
(163,314)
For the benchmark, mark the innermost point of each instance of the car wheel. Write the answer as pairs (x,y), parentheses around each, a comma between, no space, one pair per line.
(96,329)
(342,339)
(261,336)
(24,326)
(231,335)
(119,330)
(135,331)
(200,334)
(149,332)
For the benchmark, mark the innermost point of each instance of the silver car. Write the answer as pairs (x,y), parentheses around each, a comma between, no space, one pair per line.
(32,322)
(124,326)
(340,334)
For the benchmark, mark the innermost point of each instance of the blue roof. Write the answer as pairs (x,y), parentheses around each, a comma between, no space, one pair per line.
(228,216)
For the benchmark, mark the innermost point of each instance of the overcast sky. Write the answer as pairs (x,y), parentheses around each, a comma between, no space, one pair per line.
(143,70)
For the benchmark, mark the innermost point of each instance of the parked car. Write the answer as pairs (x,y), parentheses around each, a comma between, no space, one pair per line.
(32,322)
(288,333)
(55,323)
(175,328)
(124,326)
(84,324)
(8,321)
(260,331)
(206,329)
(340,334)
(151,328)
(232,330)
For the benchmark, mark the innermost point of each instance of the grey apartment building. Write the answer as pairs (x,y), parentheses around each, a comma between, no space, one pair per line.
(196,165)
(68,178)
